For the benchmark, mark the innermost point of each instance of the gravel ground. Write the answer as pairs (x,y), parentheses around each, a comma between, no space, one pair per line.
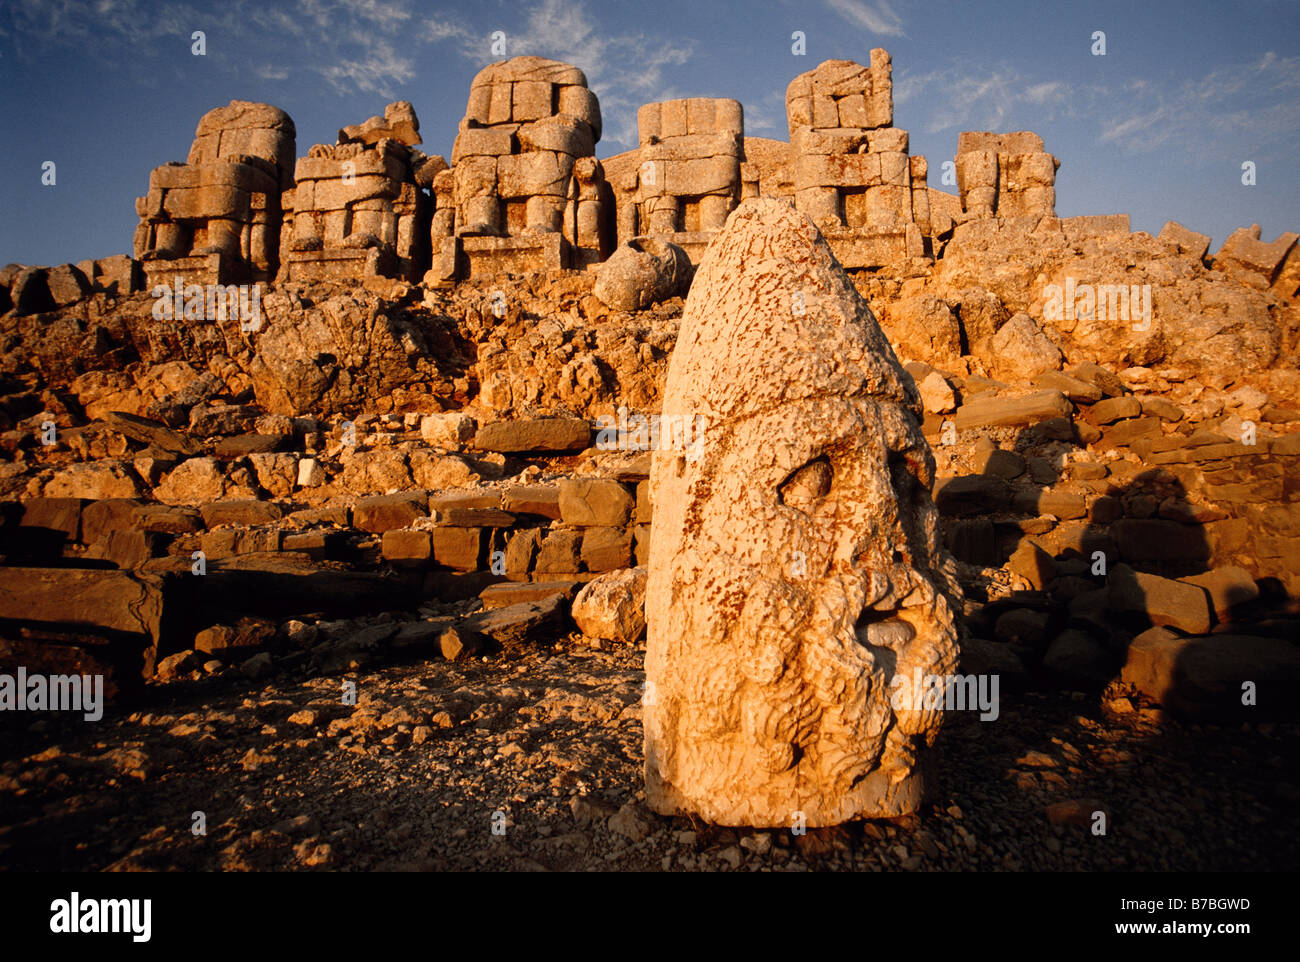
(534,763)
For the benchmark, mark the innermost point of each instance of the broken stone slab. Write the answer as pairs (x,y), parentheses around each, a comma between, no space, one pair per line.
(936,394)
(475,517)
(467,499)
(242,445)
(211,420)
(533,434)
(538,499)
(1228,587)
(1184,240)
(67,285)
(612,607)
(274,586)
(1076,389)
(30,291)
(227,641)
(1160,601)
(126,549)
(168,519)
(378,513)
(94,480)
(1107,381)
(606,549)
(246,512)
(1116,409)
(99,518)
(459,548)
(153,433)
(983,412)
(460,641)
(520,623)
(1244,251)
(1162,408)
(1020,349)
(447,430)
(116,607)
(512,593)
(1219,677)
(1130,432)
(54,514)
(404,545)
(1033,564)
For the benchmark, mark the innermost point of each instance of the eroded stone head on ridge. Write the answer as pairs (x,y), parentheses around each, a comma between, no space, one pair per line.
(795,567)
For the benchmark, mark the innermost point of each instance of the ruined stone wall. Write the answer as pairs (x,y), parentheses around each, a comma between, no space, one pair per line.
(1007,175)
(216,218)
(358,207)
(687,176)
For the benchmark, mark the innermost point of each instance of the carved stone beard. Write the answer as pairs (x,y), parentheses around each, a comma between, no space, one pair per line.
(796,576)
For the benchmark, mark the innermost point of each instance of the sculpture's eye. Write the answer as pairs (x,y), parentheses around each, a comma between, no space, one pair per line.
(903,475)
(808,484)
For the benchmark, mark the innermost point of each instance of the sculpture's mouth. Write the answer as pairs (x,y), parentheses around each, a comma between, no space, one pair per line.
(883,633)
(890,632)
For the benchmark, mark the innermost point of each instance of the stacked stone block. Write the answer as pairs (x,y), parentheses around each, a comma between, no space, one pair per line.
(523,168)
(851,167)
(1005,175)
(216,218)
(852,172)
(358,208)
(688,177)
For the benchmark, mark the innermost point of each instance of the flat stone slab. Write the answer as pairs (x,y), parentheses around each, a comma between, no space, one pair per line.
(511,593)
(533,434)
(1011,412)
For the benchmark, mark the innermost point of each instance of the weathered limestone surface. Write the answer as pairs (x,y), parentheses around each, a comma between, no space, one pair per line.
(794,561)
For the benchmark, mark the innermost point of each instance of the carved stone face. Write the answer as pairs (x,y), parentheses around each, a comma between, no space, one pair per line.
(794,563)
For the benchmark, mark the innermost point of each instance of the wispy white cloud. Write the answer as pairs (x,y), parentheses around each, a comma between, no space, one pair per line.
(968,99)
(877,16)
(1250,104)
(1233,106)
(351,43)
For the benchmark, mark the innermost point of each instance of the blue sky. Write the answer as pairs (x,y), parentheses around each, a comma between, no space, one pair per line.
(1158,127)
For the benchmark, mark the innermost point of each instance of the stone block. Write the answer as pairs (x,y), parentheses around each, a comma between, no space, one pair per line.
(381,513)
(594,503)
(459,548)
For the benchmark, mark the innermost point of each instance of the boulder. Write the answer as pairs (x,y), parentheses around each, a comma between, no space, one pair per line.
(1159,601)
(640,272)
(1221,677)
(612,607)
(1020,349)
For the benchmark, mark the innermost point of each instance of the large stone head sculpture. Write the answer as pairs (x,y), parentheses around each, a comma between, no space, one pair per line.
(795,569)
